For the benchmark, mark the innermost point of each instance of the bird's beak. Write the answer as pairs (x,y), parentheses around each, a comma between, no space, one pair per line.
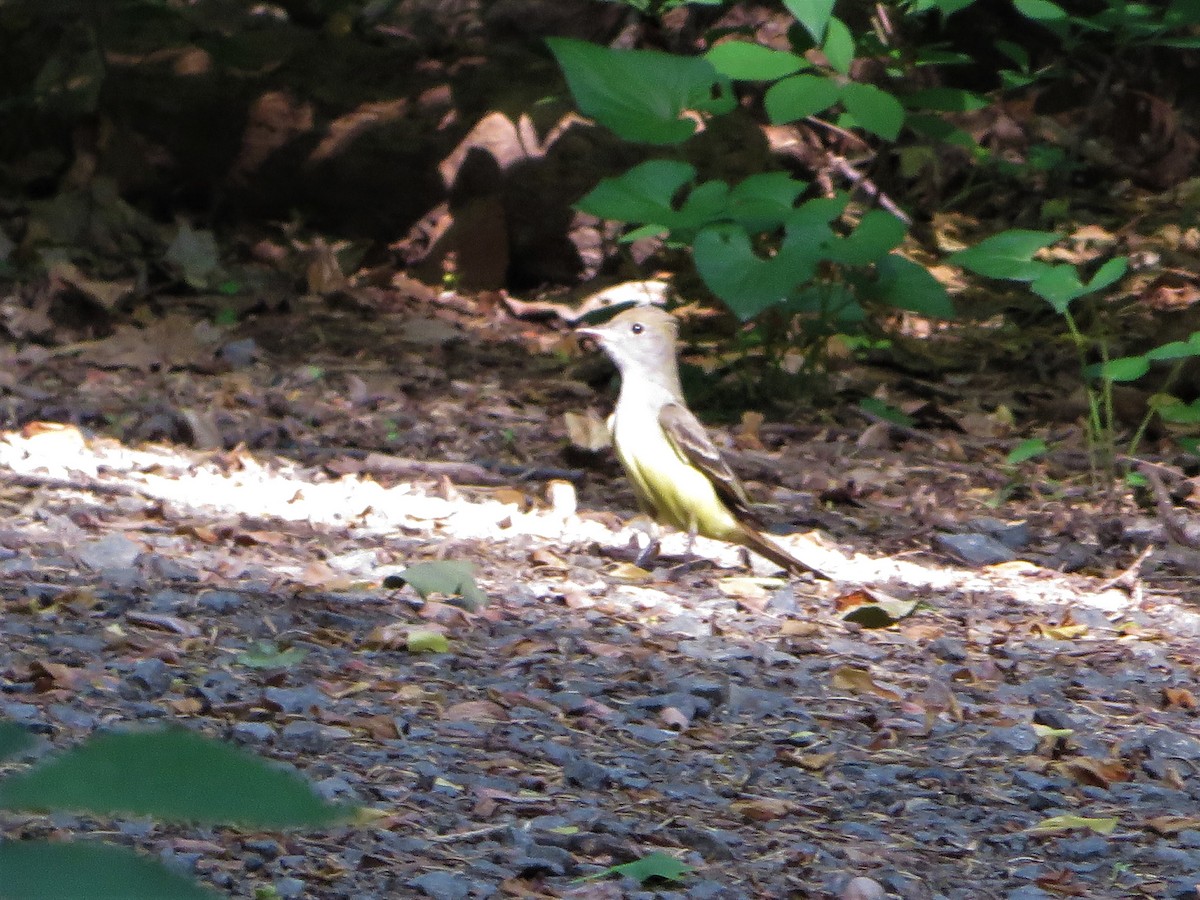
(591,332)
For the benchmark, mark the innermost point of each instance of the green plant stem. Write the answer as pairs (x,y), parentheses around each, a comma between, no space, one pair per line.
(1167,384)
(1101,443)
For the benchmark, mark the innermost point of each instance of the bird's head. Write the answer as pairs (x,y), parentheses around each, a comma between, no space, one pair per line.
(641,339)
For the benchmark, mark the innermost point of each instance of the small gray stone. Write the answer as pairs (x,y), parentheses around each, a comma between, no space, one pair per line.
(253,733)
(289,887)
(1017,738)
(113,551)
(305,736)
(974,549)
(442,885)
(220,601)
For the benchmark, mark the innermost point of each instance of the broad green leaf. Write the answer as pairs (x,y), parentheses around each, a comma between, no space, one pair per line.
(746,282)
(1015,52)
(654,865)
(1173,350)
(1007,255)
(800,96)
(880,409)
(939,129)
(1180,413)
(448,577)
(426,641)
(269,655)
(643,194)
(762,202)
(1040,10)
(875,236)
(1028,449)
(904,284)
(171,774)
(744,61)
(34,870)
(945,7)
(13,739)
(1112,270)
(1125,368)
(641,94)
(882,613)
(839,46)
(814,15)
(1058,286)
(873,109)
(945,100)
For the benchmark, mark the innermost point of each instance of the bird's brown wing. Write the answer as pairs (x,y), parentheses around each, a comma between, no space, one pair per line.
(692,442)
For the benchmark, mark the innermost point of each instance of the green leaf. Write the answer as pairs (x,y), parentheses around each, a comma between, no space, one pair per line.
(1112,271)
(643,194)
(1028,449)
(1015,52)
(1125,368)
(1180,413)
(269,655)
(1007,255)
(839,46)
(882,613)
(34,870)
(448,577)
(876,234)
(747,283)
(744,61)
(800,96)
(904,284)
(13,739)
(641,94)
(1072,822)
(1190,445)
(945,100)
(1173,350)
(814,15)
(654,865)
(171,774)
(1058,286)
(873,109)
(426,641)
(881,410)
(940,130)
(762,202)
(1040,10)
(945,7)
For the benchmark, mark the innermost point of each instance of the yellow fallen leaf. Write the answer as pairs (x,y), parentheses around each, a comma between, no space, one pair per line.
(1058,824)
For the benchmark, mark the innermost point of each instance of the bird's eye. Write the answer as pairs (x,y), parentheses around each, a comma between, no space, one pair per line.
(638,328)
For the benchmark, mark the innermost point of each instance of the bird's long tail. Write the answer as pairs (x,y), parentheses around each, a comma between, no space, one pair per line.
(764,546)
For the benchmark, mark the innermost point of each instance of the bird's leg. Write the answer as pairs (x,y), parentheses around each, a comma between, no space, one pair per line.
(648,554)
(690,560)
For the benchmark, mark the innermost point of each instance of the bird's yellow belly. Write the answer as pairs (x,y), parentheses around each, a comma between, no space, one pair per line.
(670,488)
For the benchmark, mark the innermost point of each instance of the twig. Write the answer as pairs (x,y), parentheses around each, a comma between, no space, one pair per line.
(467,835)
(1128,578)
(1164,506)
(859,181)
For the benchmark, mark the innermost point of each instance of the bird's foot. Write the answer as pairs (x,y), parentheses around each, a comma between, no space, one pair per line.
(647,555)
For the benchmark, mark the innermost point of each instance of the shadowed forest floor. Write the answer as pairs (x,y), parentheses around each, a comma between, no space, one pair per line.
(1023,733)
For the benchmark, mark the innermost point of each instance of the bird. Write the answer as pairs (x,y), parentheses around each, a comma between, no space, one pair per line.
(678,475)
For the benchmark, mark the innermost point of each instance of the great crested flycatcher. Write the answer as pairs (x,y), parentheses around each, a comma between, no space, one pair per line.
(678,475)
